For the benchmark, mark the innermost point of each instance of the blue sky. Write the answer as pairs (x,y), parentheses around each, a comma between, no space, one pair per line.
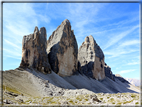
(114,26)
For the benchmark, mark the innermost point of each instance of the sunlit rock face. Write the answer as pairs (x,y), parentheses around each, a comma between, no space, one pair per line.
(34,51)
(91,59)
(63,50)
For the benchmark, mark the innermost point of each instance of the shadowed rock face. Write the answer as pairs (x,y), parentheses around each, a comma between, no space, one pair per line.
(34,51)
(108,72)
(63,50)
(118,76)
(91,59)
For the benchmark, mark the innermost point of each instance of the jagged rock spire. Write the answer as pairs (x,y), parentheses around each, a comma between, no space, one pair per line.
(63,49)
(34,51)
(91,59)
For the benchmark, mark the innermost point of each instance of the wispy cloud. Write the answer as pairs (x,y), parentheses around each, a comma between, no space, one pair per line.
(12,53)
(126,71)
(115,53)
(133,63)
(19,19)
(80,15)
(115,39)
(130,42)
(12,56)
(12,44)
(123,49)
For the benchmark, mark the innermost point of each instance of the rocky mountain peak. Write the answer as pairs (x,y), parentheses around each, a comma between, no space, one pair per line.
(66,22)
(43,32)
(91,59)
(36,30)
(90,40)
(34,51)
(62,49)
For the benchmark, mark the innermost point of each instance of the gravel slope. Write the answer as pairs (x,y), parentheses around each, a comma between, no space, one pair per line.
(25,84)
(35,83)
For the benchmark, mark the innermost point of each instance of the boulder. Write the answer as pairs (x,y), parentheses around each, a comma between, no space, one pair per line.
(108,72)
(63,50)
(91,59)
(34,51)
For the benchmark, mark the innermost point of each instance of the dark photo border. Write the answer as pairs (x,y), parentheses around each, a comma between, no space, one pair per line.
(64,1)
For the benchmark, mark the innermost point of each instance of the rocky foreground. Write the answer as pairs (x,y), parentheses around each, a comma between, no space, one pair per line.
(31,87)
(83,99)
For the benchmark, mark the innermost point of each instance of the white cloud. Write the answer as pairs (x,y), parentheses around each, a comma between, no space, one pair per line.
(12,44)
(118,52)
(126,71)
(11,53)
(133,63)
(12,56)
(82,15)
(130,42)
(19,19)
(115,39)
(123,49)
(79,14)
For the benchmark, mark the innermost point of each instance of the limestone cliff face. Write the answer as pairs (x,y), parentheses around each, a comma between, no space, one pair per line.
(63,50)
(34,51)
(91,59)
(108,72)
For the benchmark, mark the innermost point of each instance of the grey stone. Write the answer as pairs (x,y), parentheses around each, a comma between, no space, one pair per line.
(6,101)
(108,72)
(63,50)
(94,98)
(34,51)
(91,59)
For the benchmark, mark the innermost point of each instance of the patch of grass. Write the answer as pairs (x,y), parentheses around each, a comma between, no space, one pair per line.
(86,99)
(29,100)
(70,101)
(127,102)
(118,103)
(133,96)
(137,103)
(118,96)
(87,95)
(11,89)
(108,97)
(79,98)
(111,99)
(53,102)
(101,99)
